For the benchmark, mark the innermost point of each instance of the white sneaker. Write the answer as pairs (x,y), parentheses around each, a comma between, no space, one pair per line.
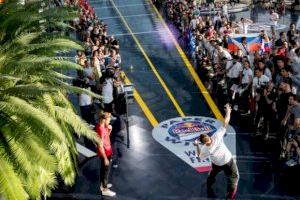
(108,192)
(109,185)
(115,166)
(112,118)
(235,107)
(291,163)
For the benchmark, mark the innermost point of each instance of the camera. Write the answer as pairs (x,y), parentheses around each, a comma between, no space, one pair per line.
(263,86)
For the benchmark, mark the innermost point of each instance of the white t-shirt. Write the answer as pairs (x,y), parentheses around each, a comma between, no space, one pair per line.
(235,70)
(225,9)
(217,150)
(268,73)
(258,82)
(85,99)
(88,71)
(274,18)
(225,53)
(247,73)
(244,27)
(107,91)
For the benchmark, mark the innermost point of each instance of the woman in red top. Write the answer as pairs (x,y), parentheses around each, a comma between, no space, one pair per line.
(103,129)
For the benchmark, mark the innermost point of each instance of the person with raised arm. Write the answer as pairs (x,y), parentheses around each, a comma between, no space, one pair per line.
(221,158)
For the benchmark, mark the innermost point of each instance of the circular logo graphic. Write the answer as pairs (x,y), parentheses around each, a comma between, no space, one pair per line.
(189,131)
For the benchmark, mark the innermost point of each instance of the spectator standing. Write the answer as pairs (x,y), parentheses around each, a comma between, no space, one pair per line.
(294,130)
(88,72)
(260,82)
(293,34)
(274,17)
(247,78)
(86,105)
(244,23)
(282,103)
(233,73)
(225,10)
(265,108)
(107,91)
(103,130)
(266,71)
(282,38)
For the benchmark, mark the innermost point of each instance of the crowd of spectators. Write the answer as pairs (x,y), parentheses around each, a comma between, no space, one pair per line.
(101,63)
(101,73)
(262,85)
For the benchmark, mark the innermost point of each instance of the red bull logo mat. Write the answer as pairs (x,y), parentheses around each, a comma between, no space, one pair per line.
(178,135)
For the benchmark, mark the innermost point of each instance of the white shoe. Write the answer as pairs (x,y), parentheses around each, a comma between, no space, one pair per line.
(291,163)
(115,166)
(108,192)
(112,118)
(109,185)
(91,126)
(235,107)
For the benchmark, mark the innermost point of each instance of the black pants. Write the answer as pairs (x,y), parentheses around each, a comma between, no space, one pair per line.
(266,112)
(87,114)
(104,172)
(108,107)
(231,171)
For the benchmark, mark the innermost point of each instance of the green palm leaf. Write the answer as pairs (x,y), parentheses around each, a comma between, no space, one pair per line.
(10,185)
(37,121)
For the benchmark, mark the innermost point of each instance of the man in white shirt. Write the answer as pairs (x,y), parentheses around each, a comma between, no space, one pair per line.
(223,52)
(259,80)
(247,77)
(233,73)
(234,69)
(225,10)
(86,104)
(274,17)
(243,25)
(88,73)
(107,93)
(221,157)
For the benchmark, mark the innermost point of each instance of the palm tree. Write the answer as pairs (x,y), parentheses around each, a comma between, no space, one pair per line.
(37,121)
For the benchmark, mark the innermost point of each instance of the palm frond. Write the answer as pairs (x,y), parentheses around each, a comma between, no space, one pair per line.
(80,127)
(26,38)
(10,185)
(28,91)
(77,90)
(25,111)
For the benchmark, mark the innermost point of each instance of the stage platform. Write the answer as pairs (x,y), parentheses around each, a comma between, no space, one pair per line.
(148,169)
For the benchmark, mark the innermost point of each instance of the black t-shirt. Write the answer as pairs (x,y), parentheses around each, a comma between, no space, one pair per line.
(278,43)
(291,34)
(282,104)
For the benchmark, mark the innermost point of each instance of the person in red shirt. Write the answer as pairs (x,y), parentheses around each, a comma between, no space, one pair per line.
(282,51)
(103,129)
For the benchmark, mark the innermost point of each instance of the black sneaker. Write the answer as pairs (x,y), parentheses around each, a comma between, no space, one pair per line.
(256,134)
(210,193)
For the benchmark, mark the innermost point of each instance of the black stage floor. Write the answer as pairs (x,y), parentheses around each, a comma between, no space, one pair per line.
(147,170)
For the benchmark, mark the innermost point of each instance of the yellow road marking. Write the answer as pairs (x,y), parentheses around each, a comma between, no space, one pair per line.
(143,105)
(150,62)
(188,64)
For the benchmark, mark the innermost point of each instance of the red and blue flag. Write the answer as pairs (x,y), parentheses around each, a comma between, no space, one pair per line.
(254,42)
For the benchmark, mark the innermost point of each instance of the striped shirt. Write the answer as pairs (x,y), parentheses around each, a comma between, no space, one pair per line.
(218,152)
